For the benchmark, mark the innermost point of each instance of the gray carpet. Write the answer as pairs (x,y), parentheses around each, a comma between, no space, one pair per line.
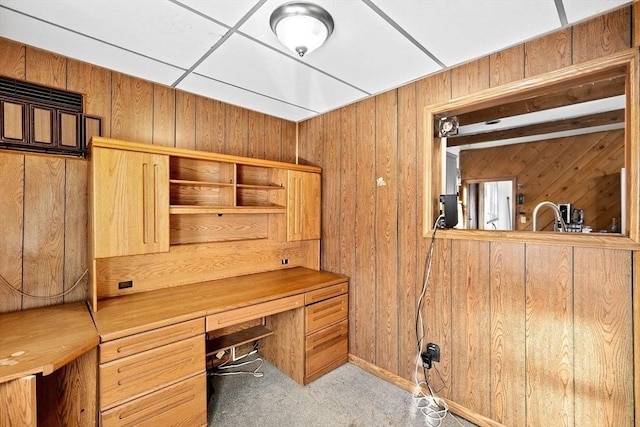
(347,396)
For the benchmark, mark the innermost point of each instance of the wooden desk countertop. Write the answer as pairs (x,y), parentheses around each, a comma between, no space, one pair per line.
(41,340)
(118,317)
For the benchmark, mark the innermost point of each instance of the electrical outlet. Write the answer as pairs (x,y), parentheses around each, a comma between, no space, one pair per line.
(430,355)
(125,285)
(285,261)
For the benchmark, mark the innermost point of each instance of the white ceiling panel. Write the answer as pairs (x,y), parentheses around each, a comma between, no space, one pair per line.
(225,49)
(456,31)
(373,61)
(15,26)
(577,10)
(266,71)
(238,96)
(229,12)
(160,29)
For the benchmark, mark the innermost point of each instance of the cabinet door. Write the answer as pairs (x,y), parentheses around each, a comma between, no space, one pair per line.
(130,202)
(303,206)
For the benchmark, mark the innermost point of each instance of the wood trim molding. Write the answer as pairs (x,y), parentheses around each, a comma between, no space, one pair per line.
(622,63)
(409,386)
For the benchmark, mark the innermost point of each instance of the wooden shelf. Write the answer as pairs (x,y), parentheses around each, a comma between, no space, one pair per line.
(200,183)
(235,339)
(260,187)
(194,209)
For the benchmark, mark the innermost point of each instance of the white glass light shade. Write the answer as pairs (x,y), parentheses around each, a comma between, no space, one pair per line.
(301,27)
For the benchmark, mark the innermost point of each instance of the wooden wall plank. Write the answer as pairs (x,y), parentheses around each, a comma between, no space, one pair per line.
(549,340)
(43,260)
(506,66)
(68,396)
(289,142)
(185,120)
(547,53)
(164,115)
(210,125)
(604,332)
(602,35)
(256,135)
(13,59)
(75,229)
(407,186)
(348,203)
(310,149)
(386,231)
(132,108)
(364,317)
(437,314)
(470,77)
(94,83)
(507,292)
(236,130)
(46,68)
(273,129)
(330,210)
(470,323)
(11,228)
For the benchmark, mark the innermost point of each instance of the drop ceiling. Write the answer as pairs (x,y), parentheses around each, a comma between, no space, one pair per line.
(225,49)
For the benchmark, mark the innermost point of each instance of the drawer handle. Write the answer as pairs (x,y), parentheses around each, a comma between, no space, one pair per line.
(325,294)
(156,371)
(132,347)
(329,341)
(159,407)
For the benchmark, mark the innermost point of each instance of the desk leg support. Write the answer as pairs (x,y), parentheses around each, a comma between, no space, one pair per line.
(285,348)
(18,402)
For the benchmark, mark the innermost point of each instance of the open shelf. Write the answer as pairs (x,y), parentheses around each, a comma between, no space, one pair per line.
(194,209)
(200,183)
(235,339)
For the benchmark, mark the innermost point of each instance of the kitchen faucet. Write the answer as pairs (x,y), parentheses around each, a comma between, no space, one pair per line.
(556,209)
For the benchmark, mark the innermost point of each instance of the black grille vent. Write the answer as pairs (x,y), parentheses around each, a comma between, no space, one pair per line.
(18,89)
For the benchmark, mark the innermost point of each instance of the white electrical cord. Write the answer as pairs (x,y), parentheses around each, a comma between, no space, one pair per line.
(434,409)
(225,365)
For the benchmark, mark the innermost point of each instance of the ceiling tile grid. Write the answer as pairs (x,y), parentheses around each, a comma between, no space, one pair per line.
(225,49)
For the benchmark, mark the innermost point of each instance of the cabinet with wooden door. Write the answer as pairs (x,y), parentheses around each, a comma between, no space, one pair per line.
(302,200)
(130,202)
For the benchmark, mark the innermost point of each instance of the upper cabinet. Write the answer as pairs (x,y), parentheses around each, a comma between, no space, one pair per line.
(303,206)
(130,196)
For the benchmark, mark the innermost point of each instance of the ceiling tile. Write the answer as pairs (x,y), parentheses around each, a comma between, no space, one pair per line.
(371,60)
(266,71)
(237,96)
(160,29)
(577,10)
(229,12)
(456,31)
(15,26)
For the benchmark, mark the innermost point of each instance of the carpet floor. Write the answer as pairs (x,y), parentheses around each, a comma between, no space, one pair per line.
(347,396)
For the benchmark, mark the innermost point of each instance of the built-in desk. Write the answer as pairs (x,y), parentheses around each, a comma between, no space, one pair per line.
(40,341)
(152,349)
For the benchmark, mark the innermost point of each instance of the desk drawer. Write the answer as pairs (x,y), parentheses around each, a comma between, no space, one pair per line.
(326,346)
(131,376)
(325,293)
(326,312)
(128,346)
(181,404)
(255,311)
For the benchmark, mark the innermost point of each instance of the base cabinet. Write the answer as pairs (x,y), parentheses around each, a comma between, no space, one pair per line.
(312,340)
(155,378)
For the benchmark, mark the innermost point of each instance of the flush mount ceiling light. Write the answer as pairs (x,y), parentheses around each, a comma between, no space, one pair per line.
(301,27)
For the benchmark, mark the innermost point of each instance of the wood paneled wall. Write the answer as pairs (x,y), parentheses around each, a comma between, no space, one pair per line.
(43,219)
(582,170)
(502,313)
